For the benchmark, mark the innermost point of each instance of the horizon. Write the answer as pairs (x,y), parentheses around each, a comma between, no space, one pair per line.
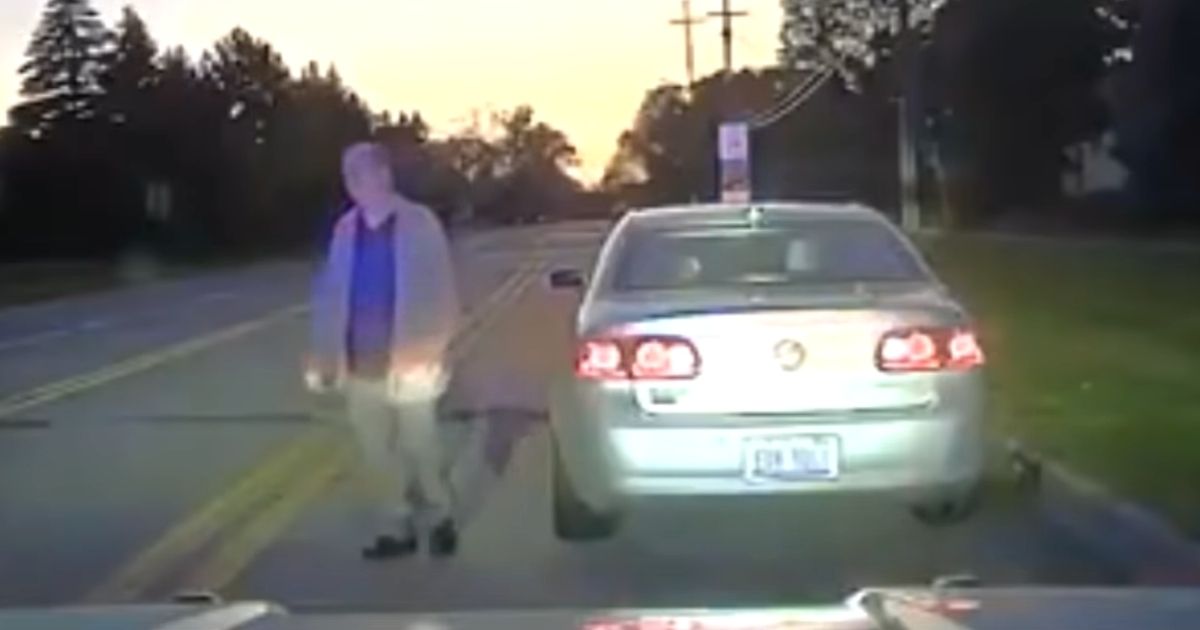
(560,72)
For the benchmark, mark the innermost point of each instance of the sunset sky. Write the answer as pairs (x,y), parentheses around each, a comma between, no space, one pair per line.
(584,66)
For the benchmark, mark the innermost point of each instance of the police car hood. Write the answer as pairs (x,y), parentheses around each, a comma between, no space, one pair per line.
(1017,608)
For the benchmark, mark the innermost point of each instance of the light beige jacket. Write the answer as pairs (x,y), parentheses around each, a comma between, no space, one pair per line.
(427,304)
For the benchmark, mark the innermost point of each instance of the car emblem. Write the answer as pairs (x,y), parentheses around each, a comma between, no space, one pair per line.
(789,354)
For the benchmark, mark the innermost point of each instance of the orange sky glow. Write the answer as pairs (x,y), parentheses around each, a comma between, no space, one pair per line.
(583,66)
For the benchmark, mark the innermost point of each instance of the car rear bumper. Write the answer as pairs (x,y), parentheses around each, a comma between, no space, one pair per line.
(882,454)
(919,454)
(614,451)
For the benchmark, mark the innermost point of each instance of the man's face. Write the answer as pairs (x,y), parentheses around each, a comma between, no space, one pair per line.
(369,183)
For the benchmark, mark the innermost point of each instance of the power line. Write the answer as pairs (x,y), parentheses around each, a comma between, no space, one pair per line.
(797,97)
(802,99)
(786,101)
(830,66)
(687,22)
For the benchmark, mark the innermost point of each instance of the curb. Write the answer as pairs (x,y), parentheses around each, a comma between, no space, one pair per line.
(1143,543)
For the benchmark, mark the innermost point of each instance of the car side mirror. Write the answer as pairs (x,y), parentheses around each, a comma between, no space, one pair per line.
(566,279)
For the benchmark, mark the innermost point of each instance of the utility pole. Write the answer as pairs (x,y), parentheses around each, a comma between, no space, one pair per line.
(909,123)
(733,139)
(687,22)
(727,14)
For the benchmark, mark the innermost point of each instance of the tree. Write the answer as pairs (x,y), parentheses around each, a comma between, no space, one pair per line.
(526,143)
(852,36)
(840,144)
(316,119)
(1157,103)
(131,71)
(247,157)
(1008,112)
(407,129)
(514,170)
(442,186)
(62,141)
(125,107)
(251,80)
(656,158)
(1121,19)
(60,77)
(252,77)
(1004,111)
(534,192)
(173,136)
(471,155)
(532,158)
(669,153)
(471,163)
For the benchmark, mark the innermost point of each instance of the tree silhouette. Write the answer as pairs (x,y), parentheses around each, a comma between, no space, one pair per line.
(125,106)
(60,77)
(852,36)
(251,76)
(1008,112)
(130,72)
(1157,101)
(245,154)
(669,153)
(525,142)
(529,168)
(408,129)
(316,118)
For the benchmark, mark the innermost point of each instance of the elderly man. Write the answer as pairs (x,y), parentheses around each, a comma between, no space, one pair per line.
(384,311)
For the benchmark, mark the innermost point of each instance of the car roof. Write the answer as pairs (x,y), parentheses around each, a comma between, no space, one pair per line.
(768,212)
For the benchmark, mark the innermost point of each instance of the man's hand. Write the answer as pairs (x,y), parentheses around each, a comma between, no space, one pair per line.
(321,381)
(415,382)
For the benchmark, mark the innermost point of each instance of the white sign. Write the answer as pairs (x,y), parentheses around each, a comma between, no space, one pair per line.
(733,142)
(735,181)
(733,147)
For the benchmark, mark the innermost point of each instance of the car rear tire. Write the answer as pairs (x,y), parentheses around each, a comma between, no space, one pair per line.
(949,510)
(575,520)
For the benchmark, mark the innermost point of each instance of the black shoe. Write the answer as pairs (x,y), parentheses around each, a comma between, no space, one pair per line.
(390,547)
(443,540)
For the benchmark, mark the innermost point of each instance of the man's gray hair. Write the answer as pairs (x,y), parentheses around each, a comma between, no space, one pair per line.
(403,161)
(364,155)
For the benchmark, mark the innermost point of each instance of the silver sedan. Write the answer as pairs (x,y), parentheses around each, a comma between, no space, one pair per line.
(764,349)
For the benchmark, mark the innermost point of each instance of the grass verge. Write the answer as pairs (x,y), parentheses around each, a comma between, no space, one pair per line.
(26,283)
(1095,358)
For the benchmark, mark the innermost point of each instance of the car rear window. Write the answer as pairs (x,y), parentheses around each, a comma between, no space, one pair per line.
(810,252)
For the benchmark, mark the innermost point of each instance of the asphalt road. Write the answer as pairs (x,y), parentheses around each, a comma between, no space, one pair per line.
(157,439)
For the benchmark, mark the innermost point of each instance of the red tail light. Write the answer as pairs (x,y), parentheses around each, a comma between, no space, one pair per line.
(964,351)
(601,359)
(637,358)
(928,350)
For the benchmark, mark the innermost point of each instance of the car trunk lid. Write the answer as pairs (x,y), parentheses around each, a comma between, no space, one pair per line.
(809,352)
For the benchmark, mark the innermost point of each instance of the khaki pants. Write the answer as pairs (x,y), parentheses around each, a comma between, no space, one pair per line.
(401,451)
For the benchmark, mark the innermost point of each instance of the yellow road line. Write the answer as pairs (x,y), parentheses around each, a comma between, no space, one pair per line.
(263,528)
(471,335)
(61,389)
(195,531)
(280,474)
(497,295)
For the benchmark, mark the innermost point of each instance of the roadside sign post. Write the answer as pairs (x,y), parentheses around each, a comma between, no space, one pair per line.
(733,147)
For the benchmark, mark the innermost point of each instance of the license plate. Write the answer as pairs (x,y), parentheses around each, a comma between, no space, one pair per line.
(791,458)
